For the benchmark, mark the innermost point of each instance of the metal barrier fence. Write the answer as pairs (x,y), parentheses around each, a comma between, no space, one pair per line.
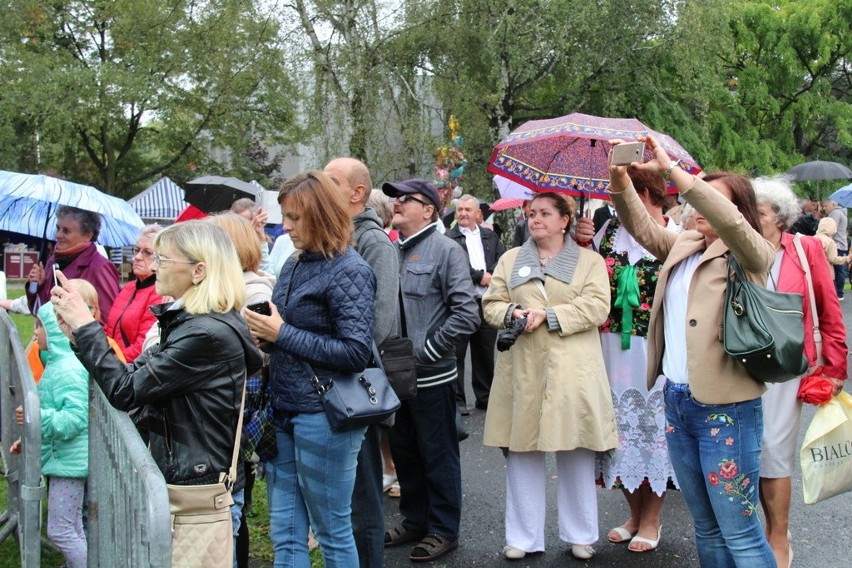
(129,520)
(22,517)
(128,506)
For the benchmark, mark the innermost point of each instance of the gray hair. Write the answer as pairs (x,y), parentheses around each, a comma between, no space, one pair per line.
(469,197)
(89,221)
(242,204)
(380,203)
(777,193)
(149,231)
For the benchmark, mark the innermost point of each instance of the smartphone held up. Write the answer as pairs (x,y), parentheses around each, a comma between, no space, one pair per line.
(626,153)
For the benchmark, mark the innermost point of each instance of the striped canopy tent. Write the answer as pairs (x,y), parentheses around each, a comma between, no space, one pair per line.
(163,201)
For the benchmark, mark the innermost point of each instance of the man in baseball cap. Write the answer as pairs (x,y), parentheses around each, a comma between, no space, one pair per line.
(439,309)
(416,188)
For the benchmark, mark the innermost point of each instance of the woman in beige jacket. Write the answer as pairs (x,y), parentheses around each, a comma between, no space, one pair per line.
(714,414)
(825,232)
(550,391)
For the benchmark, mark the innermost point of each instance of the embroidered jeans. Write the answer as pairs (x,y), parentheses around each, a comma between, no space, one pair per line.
(715,453)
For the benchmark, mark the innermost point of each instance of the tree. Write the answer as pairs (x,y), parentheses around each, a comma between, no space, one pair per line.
(497,65)
(363,103)
(119,92)
(789,71)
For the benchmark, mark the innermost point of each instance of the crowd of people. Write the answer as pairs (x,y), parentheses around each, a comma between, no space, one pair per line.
(611,359)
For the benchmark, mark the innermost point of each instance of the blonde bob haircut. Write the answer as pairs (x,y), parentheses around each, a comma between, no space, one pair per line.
(244,238)
(223,288)
(89,295)
(315,199)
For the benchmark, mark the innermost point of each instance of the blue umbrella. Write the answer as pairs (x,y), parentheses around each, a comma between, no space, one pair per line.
(28,205)
(843,196)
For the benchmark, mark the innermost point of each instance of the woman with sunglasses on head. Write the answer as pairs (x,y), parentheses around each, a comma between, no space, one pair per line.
(130,319)
(192,384)
(714,413)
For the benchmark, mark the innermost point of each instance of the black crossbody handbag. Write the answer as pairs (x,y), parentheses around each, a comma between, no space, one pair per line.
(397,354)
(763,329)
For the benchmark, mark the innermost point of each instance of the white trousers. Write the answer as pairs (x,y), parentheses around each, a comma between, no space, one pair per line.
(576,499)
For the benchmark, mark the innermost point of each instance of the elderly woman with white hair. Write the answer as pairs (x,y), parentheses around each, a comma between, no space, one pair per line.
(130,317)
(778,210)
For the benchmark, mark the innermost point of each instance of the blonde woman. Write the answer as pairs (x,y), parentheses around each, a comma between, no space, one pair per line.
(194,381)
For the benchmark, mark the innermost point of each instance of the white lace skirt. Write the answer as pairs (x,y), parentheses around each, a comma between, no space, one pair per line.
(641,417)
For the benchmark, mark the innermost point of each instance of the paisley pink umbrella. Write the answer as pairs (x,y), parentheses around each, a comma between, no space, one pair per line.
(570,153)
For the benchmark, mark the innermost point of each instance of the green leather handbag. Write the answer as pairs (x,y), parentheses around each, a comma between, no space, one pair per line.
(762,329)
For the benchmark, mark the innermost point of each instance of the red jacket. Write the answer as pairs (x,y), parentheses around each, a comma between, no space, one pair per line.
(792,279)
(130,317)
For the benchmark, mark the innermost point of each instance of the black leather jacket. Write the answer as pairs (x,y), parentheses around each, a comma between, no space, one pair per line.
(191,384)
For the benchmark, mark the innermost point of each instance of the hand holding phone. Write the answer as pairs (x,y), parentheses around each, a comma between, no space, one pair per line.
(261,308)
(627,153)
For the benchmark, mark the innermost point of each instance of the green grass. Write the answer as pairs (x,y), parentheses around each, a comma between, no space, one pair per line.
(260,547)
(23,322)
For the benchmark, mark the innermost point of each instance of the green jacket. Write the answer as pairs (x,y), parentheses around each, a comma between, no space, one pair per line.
(64,399)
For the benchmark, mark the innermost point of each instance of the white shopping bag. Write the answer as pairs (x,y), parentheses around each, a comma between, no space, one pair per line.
(826,454)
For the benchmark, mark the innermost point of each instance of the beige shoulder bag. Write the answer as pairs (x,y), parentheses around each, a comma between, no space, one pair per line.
(202,533)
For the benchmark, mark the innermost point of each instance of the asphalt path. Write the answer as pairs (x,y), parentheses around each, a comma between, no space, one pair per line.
(822,533)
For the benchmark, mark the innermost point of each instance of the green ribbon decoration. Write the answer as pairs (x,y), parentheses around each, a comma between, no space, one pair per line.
(627,298)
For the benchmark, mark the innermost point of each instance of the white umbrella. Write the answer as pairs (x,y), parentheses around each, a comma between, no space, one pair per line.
(29,203)
(511,189)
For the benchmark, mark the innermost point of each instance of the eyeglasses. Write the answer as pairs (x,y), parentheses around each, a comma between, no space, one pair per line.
(406,197)
(146,253)
(158,260)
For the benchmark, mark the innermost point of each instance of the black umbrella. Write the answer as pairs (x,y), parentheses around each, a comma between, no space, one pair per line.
(820,170)
(215,193)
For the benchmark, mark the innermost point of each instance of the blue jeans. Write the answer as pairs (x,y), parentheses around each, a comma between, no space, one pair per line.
(237,515)
(840,271)
(310,483)
(425,447)
(368,513)
(715,453)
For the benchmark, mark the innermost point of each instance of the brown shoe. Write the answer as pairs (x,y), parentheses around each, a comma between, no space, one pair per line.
(432,547)
(401,535)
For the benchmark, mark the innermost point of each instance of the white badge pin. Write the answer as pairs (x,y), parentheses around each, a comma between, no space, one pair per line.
(524,271)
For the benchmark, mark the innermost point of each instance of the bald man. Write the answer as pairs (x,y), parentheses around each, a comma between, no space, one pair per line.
(372,243)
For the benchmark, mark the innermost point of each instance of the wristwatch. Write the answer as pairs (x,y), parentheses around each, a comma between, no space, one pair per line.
(667,174)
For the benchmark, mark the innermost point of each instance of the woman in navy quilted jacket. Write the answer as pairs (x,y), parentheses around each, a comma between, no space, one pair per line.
(321,326)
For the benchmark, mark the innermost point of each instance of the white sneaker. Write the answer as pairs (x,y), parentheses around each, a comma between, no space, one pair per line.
(512,553)
(582,551)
